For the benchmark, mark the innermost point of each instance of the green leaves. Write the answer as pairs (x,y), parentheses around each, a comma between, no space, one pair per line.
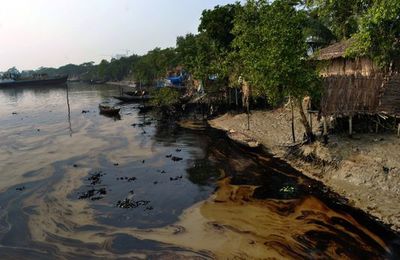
(272,45)
(165,97)
(379,33)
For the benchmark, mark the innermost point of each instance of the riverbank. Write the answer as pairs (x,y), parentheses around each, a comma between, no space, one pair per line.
(364,169)
(130,84)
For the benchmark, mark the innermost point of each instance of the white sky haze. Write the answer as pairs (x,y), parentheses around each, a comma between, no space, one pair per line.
(52,33)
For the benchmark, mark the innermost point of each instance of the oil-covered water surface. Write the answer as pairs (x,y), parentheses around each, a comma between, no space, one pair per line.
(76,184)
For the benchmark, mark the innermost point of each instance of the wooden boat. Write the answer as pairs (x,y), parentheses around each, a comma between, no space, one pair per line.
(109,110)
(127,98)
(35,82)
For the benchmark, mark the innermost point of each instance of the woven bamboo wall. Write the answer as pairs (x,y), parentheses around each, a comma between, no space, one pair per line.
(349,95)
(389,101)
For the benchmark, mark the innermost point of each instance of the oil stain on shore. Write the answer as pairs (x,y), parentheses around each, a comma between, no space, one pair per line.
(88,186)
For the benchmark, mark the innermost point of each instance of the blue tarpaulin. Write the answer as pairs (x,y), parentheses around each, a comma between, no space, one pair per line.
(176,80)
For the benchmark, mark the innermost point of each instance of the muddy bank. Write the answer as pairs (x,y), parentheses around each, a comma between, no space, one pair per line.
(364,169)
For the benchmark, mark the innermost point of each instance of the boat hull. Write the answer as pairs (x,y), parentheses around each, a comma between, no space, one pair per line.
(109,110)
(127,98)
(37,82)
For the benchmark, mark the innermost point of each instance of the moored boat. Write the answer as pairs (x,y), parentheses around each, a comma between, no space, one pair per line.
(34,82)
(127,98)
(109,110)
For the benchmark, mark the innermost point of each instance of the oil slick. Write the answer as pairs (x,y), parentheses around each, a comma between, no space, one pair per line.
(224,201)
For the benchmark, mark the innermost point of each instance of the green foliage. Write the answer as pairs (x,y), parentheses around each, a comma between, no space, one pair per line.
(218,23)
(272,47)
(70,69)
(197,53)
(340,16)
(208,53)
(165,97)
(154,65)
(379,35)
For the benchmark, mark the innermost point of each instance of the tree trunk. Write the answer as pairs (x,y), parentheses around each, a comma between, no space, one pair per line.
(304,121)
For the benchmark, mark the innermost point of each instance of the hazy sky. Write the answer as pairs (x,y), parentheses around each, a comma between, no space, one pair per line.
(36,33)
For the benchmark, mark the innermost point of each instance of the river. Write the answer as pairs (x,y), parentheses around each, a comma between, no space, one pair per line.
(75,184)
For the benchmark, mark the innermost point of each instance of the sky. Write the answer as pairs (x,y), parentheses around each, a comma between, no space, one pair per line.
(52,33)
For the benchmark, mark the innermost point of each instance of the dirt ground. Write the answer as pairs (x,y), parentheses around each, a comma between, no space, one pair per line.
(365,169)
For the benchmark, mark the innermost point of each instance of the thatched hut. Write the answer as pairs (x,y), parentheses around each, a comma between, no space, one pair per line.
(355,85)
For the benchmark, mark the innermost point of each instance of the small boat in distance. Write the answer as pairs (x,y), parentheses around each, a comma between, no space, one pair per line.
(128,98)
(109,110)
(39,81)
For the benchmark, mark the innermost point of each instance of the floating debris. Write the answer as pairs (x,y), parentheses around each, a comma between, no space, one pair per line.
(116,164)
(102,191)
(176,159)
(176,178)
(20,188)
(14,113)
(95,178)
(88,194)
(131,179)
(287,189)
(178,150)
(97,198)
(130,203)
(85,111)
(75,165)
(168,156)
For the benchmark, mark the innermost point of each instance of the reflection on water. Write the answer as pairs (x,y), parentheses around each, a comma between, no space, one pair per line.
(77,184)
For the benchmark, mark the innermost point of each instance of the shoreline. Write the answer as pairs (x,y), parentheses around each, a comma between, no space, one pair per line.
(130,84)
(363,170)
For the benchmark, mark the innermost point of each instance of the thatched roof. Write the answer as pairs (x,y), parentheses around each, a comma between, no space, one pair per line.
(336,50)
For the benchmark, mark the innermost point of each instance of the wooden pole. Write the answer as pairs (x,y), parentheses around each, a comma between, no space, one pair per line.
(248,114)
(69,112)
(293,132)
(350,126)
(309,113)
(398,131)
(236,97)
(325,130)
(202,110)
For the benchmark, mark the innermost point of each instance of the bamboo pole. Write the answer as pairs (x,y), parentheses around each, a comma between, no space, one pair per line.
(248,112)
(351,126)
(325,131)
(310,115)
(398,130)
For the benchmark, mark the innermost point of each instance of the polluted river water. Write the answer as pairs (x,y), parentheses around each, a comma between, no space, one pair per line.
(75,184)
